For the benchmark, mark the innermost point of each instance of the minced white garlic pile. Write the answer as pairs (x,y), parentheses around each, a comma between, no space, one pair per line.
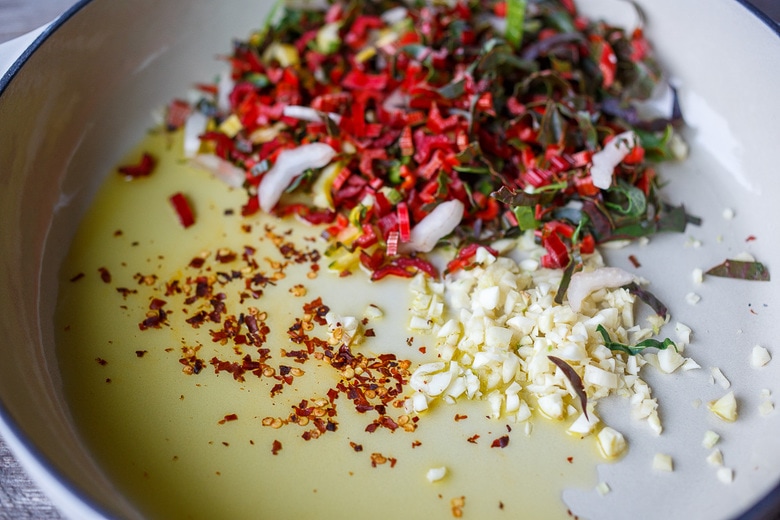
(495,326)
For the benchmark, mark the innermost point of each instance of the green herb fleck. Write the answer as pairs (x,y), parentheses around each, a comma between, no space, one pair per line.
(636,349)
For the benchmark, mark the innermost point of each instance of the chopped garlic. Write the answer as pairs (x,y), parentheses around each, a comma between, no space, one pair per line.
(725,407)
(603,488)
(725,475)
(697,275)
(690,364)
(766,407)
(343,329)
(717,374)
(692,298)
(495,324)
(373,312)
(584,425)
(710,439)
(693,242)
(551,405)
(435,474)
(669,360)
(663,462)
(715,458)
(728,214)
(759,357)
(683,333)
(611,442)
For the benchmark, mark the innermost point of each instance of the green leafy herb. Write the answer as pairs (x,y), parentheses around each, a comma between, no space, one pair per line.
(565,280)
(626,199)
(515,21)
(636,349)
(525,218)
(741,270)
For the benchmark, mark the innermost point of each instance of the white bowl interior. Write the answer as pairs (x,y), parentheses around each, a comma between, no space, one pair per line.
(85,96)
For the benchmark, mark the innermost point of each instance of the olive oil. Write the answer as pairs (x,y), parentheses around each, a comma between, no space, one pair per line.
(182,439)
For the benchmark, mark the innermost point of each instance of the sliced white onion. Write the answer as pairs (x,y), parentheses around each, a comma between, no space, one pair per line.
(584,283)
(194,127)
(308,114)
(394,15)
(604,161)
(289,165)
(437,224)
(395,101)
(224,170)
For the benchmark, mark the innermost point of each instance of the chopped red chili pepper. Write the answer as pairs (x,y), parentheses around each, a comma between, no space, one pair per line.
(183,209)
(417,118)
(144,167)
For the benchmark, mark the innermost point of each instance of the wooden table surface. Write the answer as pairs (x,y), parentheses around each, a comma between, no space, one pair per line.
(19,496)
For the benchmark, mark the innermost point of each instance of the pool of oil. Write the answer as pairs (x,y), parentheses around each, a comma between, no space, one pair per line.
(185,437)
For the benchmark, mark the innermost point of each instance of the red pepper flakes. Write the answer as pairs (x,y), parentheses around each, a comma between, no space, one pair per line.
(125,292)
(192,363)
(570,460)
(459,417)
(473,439)
(373,385)
(105,275)
(156,317)
(156,304)
(298,290)
(141,353)
(102,362)
(500,442)
(456,506)
(142,279)
(634,261)
(228,418)
(378,459)
(357,447)
(276,447)
(77,277)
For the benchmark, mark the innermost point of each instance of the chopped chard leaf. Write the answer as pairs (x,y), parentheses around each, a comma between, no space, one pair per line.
(741,270)
(575,380)
(649,298)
